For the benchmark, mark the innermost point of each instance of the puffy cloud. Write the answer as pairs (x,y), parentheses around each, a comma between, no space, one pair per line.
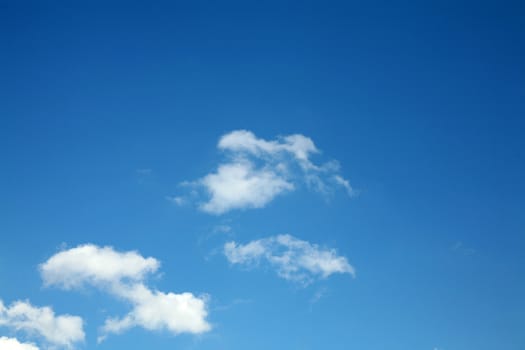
(14,344)
(95,265)
(155,310)
(123,274)
(293,259)
(257,170)
(245,141)
(239,185)
(63,330)
(247,253)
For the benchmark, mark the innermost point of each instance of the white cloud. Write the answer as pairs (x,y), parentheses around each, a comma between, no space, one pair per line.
(245,254)
(245,141)
(123,276)
(293,259)
(257,170)
(345,183)
(14,344)
(239,185)
(156,310)
(62,330)
(89,264)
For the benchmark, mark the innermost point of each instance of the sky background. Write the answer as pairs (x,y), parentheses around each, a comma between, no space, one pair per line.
(106,108)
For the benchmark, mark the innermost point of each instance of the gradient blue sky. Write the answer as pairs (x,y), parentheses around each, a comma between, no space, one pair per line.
(107,108)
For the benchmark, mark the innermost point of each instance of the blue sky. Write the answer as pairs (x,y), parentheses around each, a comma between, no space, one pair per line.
(120,123)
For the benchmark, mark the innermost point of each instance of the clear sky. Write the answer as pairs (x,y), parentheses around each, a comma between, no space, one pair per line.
(262,175)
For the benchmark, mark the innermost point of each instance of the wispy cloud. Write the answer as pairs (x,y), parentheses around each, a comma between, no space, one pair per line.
(178,200)
(58,330)
(461,248)
(144,171)
(143,175)
(222,229)
(346,184)
(292,258)
(257,170)
(233,303)
(321,292)
(123,274)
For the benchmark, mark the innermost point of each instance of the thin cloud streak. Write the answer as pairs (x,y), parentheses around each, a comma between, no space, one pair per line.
(292,258)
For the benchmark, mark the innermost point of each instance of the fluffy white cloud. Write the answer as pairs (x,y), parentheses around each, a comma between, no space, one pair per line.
(63,330)
(245,141)
(95,265)
(122,274)
(258,170)
(294,259)
(14,344)
(155,310)
(239,185)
